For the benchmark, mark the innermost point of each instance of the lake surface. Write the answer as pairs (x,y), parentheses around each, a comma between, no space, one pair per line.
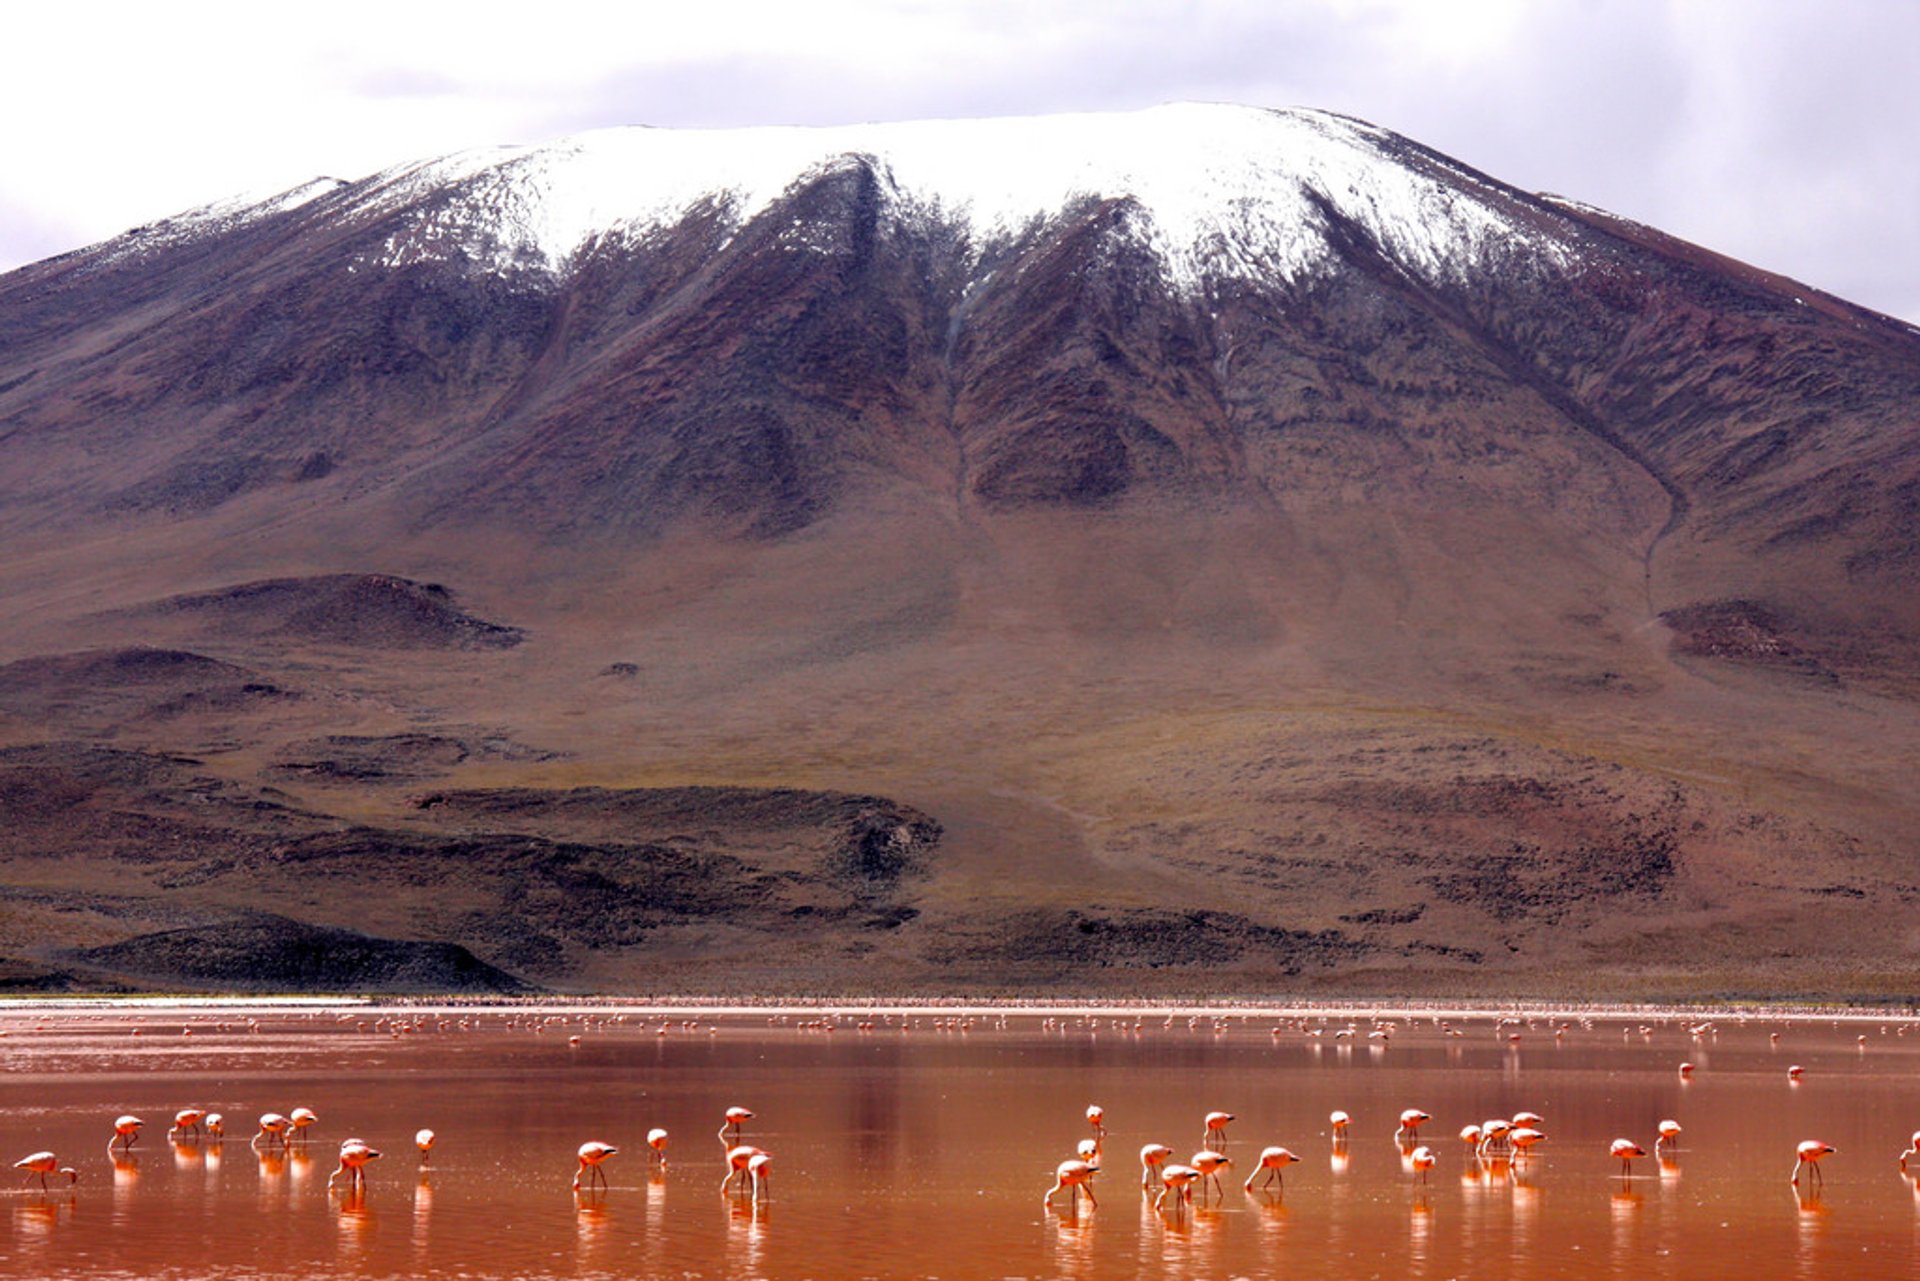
(916,1148)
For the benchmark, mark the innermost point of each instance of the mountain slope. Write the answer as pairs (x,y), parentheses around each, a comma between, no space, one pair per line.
(1083,482)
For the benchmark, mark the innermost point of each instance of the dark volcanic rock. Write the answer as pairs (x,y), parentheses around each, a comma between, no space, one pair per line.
(268,953)
(375,611)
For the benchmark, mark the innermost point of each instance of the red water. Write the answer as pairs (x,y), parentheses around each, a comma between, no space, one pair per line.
(918,1150)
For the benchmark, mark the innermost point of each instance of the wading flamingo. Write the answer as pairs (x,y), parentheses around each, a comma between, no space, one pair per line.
(43,1164)
(126,1132)
(657,1146)
(1273,1161)
(1179,1180)
(1096,1117)
(760,1165)
(738,1158)
(1210,1163)
(1669,1135)
(303,1119)
(1422,1162)
(1471,1136)
(1809,1154)
(184,1120)
(1913,1149)
(1339,1121)
(730,1132)
(423,1140)
(1410,1122)
(216,1125)
(1073,1176)
(1626,1150)
(273,1128)
(1152,1157)
(353,1160)
(1215,1136)
(591,1155)
(1496,1139)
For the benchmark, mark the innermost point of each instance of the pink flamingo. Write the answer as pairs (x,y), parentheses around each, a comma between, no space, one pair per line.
(1422,1162)
(216,1126)
(126,1132)
(1274,1161)
(1210,1163)
(423,1140)
(1179,1180)
(1410,1122)
(1626,1150)
(303,1119)
(1339,1121)
(657,1146)
(43,1164)
(1073,1176)
(730,1132)
(184,1120)
(760,1164)
(738,1158)
(1669,1135)
(1913,1149)
(354,1156)
(1215,1137)
(1524,1138)
(1809,1154)
(273,1128)
(1096,1117)
(1152,1157)
(591,1155)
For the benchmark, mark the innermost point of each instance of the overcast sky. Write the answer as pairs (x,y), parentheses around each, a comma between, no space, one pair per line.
(1780,132)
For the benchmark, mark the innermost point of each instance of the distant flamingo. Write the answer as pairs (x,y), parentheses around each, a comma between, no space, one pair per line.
(1913,1149)
(760,1165)
(1152,1157)
(1096,1117)
(1215,1136)
(1422,1162)
(1089,1150)
(353,1160)
(186,1119)
(1524,1138)
(1471,1136)
(216,1126)
(1527,1120)
(1073,1176)
(43,1164)
(273,1128)
(1210,1163)
(1494,1138)
(1339,1121)
(730,1132)
(1686,1069)
(423,1140)
(126,1132)
(738,1158)
(1626,1150)
(1179,1180)
(591,1155)
(1410,1122)
(1809,1154)
(657,1146)
(303,1119)
(1795,1072)
(1669,1135)
(1274,1161)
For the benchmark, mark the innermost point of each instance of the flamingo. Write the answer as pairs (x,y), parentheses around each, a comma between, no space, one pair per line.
(761,1164)
(1089,1150)
(186,1119)
(1073,1176)
(1913,1149)
(1626,1150)
(1527,1120)
(354,1156)
(1809,1154)
(1339,1121)
(1178,1179)
(1669,1135)
(1686,1069)
(657,1146)
(1152,1157)
(273,1127)
(738,1158)
(1494,1138)
(1471,1136)
(43,1164)
(1795,1072)
(303,1119)
(216,1125)
(1215,1137)
(126,1132)
(591,1155)
(1274,1161)
(1524,1138)
(1421,1161)
(1209,1163)
(730,1132)
(1410,1122)
(1096,1117)
(423,1140)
